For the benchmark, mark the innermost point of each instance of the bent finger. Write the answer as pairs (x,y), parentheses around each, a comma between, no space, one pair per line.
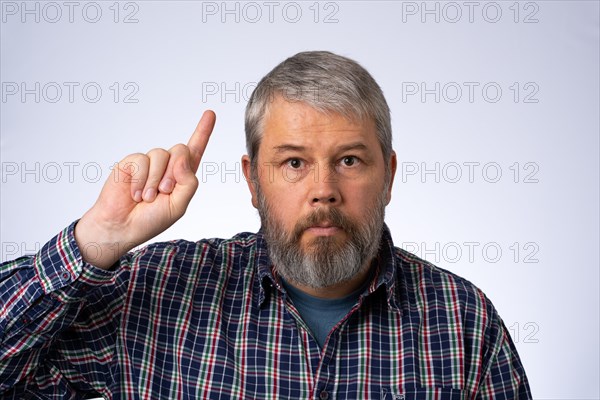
(159,159)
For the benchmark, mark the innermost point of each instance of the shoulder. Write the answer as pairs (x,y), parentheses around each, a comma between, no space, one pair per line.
(447,302)
(452,310)
(241,240)
(185,254)
(429,287)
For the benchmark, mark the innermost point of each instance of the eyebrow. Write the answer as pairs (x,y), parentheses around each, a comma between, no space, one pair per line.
(288,147)
(292,147)
(353,146)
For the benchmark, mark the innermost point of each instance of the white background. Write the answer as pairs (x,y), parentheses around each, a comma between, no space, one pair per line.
(533,68)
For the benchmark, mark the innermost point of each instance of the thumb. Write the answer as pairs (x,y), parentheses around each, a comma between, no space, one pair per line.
(185,186)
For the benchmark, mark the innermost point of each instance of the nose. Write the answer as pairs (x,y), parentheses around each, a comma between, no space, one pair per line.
(324,189)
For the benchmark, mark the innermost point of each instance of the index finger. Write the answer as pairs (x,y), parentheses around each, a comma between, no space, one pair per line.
(199,140)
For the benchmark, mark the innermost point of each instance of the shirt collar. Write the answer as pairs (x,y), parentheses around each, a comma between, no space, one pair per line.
(385,273)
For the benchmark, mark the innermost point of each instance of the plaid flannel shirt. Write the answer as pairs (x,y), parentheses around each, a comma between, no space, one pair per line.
(210,320)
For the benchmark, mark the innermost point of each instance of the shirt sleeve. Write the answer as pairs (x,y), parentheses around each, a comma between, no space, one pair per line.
(505,377)
(58,319)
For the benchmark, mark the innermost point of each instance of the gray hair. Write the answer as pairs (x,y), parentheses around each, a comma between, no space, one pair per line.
(327,82)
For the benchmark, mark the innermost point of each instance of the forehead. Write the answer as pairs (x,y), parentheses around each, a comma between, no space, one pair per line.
(301,123)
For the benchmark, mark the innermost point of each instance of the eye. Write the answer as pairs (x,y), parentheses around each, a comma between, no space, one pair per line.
(349,161)
(294,163)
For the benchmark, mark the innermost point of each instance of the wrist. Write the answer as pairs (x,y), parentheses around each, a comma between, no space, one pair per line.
(99,246)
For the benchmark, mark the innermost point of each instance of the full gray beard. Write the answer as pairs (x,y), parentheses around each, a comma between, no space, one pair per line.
(326,262)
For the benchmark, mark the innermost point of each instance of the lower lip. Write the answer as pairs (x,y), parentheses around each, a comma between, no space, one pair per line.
(318,231)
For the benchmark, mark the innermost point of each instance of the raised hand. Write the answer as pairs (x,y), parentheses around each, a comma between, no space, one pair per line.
(144,195)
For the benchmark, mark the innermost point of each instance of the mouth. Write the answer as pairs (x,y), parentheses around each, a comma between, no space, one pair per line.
(324,228)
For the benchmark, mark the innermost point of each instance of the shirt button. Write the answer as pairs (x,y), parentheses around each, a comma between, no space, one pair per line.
(324,395)
(65,276)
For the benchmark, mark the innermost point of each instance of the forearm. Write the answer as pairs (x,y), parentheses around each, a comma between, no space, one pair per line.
(41,297)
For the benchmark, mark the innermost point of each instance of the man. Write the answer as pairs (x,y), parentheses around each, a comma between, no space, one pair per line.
(318,304)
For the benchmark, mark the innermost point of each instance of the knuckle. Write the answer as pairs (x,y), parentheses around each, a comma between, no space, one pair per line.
(179,148)
(134,158)
(134,165)
(157,151)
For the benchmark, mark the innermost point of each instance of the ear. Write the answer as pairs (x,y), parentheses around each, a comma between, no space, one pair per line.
(247,169)
(393,165)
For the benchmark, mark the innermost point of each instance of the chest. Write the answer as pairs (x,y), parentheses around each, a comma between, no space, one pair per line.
(215,344)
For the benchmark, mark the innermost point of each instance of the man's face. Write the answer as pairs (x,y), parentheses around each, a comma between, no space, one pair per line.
(321,193)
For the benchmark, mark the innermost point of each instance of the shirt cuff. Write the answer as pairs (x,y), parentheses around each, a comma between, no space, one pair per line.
(59,265)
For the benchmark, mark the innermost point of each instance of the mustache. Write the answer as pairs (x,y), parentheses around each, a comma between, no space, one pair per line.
(331,215)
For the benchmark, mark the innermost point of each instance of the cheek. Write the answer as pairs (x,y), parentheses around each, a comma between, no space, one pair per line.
(285,204)
(283,188)
(360,196)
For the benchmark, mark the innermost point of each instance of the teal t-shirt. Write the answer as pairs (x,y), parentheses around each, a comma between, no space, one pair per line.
(321,315)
